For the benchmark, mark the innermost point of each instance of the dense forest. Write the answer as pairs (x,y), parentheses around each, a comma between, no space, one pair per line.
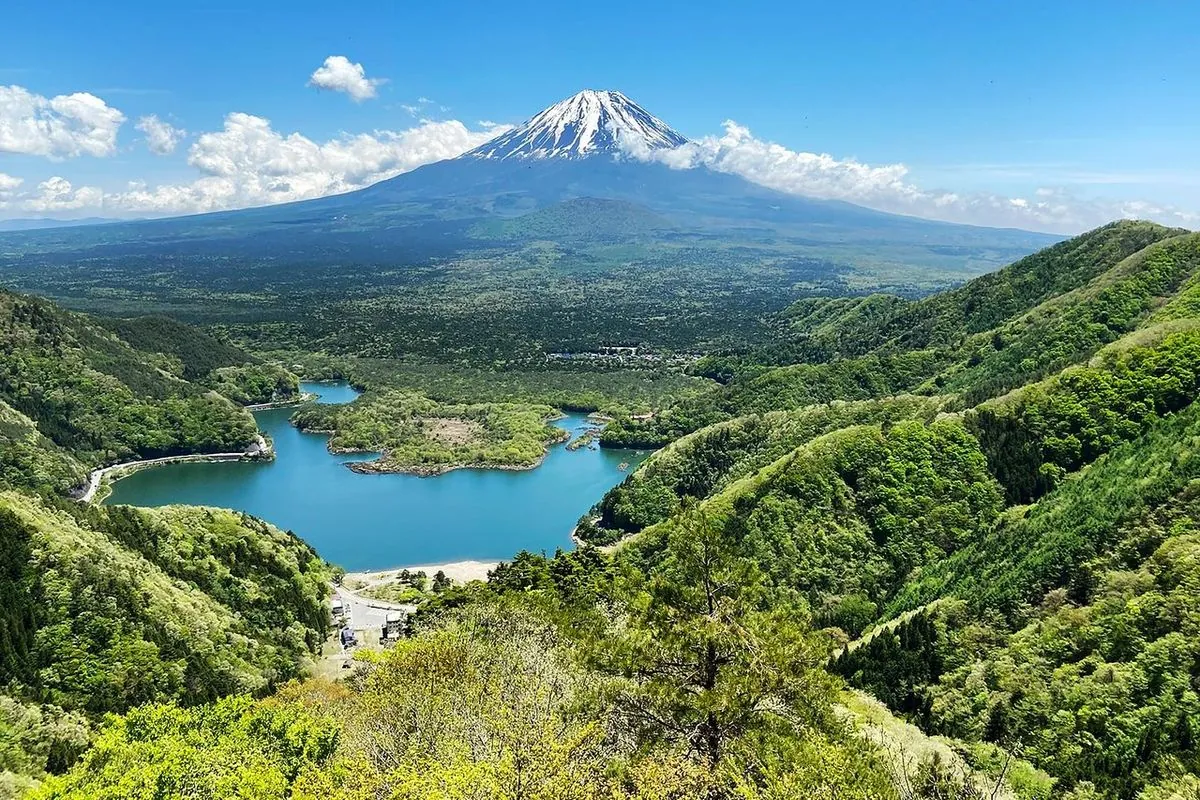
(74,393)
(910,548)
(106,609)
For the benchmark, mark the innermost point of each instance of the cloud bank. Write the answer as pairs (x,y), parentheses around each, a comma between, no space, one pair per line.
(249,163)
(340,74)
(57,194)
(888,187)
(65,126)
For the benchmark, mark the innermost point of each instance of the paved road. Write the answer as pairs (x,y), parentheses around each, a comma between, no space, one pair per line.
(256,450)
(365,613)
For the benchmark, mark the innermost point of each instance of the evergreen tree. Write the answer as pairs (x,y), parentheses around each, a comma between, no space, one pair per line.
(701,656)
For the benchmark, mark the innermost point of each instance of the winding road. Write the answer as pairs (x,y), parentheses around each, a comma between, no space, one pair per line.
(260,449)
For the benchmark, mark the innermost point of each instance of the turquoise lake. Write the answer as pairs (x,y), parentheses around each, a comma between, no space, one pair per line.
(378,521)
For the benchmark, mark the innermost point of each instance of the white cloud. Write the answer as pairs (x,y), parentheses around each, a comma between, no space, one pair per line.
(340,74)
(888,188)
(57,194)
(161,137)
(64,126)
(9,184)
(249,163)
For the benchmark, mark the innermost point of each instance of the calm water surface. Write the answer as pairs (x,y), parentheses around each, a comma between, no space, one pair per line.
(377,521)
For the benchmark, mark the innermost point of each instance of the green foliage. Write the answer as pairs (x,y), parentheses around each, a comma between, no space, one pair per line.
(1101,692)
(1072,326)
(1048,545)
(107,608)
(97,397)
(702,651)
(235,747)
(897,661)
(862,378)
(35,740)
(416,434)
(252,384)
(701,464)
(996,332)
(29,460)
(1074,640)
(792,387)
(853,512)
(198,353)
(984,303)
(567,384)
(1044,431)
(492,701)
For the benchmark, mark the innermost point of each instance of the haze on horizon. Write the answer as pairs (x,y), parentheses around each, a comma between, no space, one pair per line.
(1031,118)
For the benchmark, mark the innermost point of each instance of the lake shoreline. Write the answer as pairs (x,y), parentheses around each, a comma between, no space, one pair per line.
(464,524)
(306,397)
(103,477)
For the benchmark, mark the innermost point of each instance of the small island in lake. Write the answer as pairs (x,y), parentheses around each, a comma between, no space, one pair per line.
(416,435)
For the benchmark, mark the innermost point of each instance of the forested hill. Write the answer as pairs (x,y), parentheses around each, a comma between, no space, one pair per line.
(995,333)
(77,392)
(102,609)
(1032,497)
(978,509)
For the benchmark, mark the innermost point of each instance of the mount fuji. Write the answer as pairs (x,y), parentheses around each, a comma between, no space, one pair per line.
(586,171)
(603,146)
(598,145)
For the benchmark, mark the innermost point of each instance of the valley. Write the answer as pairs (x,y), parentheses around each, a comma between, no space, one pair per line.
(481,259)
(883,509)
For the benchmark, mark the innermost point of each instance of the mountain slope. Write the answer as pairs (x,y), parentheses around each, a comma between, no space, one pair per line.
(30,460)
(1114,295)
(1054,308)
(1064,629)
(1069,630)
(583,147)
(101,613)
(92,394)
(198,353)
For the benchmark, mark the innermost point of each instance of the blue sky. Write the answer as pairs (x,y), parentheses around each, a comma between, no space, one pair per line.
(1094,104)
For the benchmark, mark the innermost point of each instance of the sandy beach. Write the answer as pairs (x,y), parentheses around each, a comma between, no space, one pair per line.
(457,571)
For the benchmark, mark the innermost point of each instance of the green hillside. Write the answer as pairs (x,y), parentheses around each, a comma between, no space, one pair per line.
(909,549)
(29,459)
(995,333)
(105,609)
(1059,630)
(198,353)
(92,394)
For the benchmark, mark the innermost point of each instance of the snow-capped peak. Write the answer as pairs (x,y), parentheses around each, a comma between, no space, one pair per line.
(589,123)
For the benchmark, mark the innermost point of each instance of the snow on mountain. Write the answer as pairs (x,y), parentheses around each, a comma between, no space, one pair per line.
(587,124)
